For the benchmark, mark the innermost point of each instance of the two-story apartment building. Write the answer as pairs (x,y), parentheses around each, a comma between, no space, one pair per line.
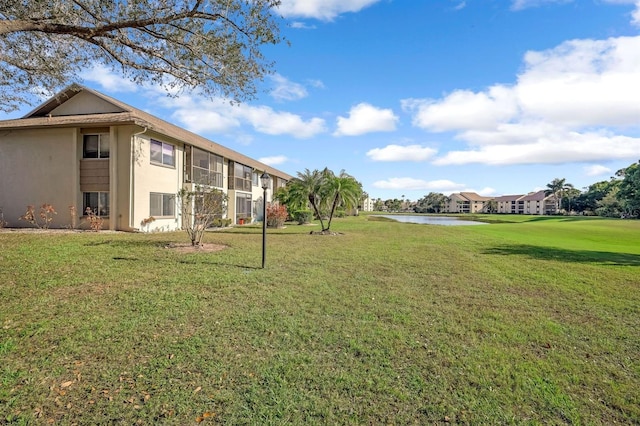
(466,202)
(538,203)
(87,150)
(508,204)
(532,203)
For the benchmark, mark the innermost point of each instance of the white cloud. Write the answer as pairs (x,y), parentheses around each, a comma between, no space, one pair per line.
(443,186)
(419,184)
(302,25)
(364,118)
(525,4)
(577,102)
(635,14)
(596,170)
(274,161)
(461,5)
(201,121)
(486,191)
(510,133)
(108,80)
(287,90)
(318,84)
(552,149)
(464,109)
(583,83)
(265,120)
(325,10)
(200,115)
(401,153)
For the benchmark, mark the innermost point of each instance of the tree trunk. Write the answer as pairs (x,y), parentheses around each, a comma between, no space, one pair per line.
(333,209)
(312,201)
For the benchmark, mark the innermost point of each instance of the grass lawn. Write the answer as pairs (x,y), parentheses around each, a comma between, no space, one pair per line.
(535,321)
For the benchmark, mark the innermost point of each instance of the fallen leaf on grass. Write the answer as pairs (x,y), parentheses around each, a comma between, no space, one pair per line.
(66,384)
(204,416)
(198,389)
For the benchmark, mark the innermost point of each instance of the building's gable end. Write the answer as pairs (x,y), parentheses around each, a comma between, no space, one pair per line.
(77,100)
(85,103)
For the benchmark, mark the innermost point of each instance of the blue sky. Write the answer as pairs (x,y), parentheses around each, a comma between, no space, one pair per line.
(411,97)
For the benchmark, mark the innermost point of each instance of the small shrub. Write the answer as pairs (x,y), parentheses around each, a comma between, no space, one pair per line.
(201,208)
(147,222)
(221,223)
(302,216)
(95,221)
(73,217)
(43,219)
(2,221)
(276,215)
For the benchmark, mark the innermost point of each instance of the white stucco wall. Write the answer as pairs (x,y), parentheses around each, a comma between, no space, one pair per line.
(38,166)
(148,178)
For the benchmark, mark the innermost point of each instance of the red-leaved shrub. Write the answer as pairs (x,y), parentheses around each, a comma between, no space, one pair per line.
(276,215)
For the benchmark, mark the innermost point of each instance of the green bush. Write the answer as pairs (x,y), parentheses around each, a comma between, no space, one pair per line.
(302,216)
(221,223)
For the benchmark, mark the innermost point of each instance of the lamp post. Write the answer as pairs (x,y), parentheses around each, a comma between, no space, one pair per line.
(264,180)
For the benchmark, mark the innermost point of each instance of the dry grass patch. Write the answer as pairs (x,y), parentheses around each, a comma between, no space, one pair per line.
(188,248)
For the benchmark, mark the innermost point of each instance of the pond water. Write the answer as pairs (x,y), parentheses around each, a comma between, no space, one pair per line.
(432,220)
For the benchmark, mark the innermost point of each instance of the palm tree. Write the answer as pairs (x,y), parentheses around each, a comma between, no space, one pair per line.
(491,206)
(324,192)
(307,188)
(340,191)
(570,194)
(556,188)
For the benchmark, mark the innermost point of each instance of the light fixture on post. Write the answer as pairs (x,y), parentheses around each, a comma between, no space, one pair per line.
(265,179)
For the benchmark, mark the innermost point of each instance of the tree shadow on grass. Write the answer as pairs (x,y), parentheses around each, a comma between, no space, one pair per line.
(128,243)
(206,262)
(566,255)
(566,218)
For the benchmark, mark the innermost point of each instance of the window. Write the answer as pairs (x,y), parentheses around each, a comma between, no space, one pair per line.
(97,202)
(95,146)
(240,177)
(206,168)
(162,204)
(243,206)
(163,153)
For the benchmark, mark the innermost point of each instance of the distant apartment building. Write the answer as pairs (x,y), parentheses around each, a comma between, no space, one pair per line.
(538,203)
(467,202)
(532,203)
(367,204)
(508,204)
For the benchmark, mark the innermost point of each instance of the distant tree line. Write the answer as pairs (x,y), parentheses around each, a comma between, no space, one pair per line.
(616,197)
